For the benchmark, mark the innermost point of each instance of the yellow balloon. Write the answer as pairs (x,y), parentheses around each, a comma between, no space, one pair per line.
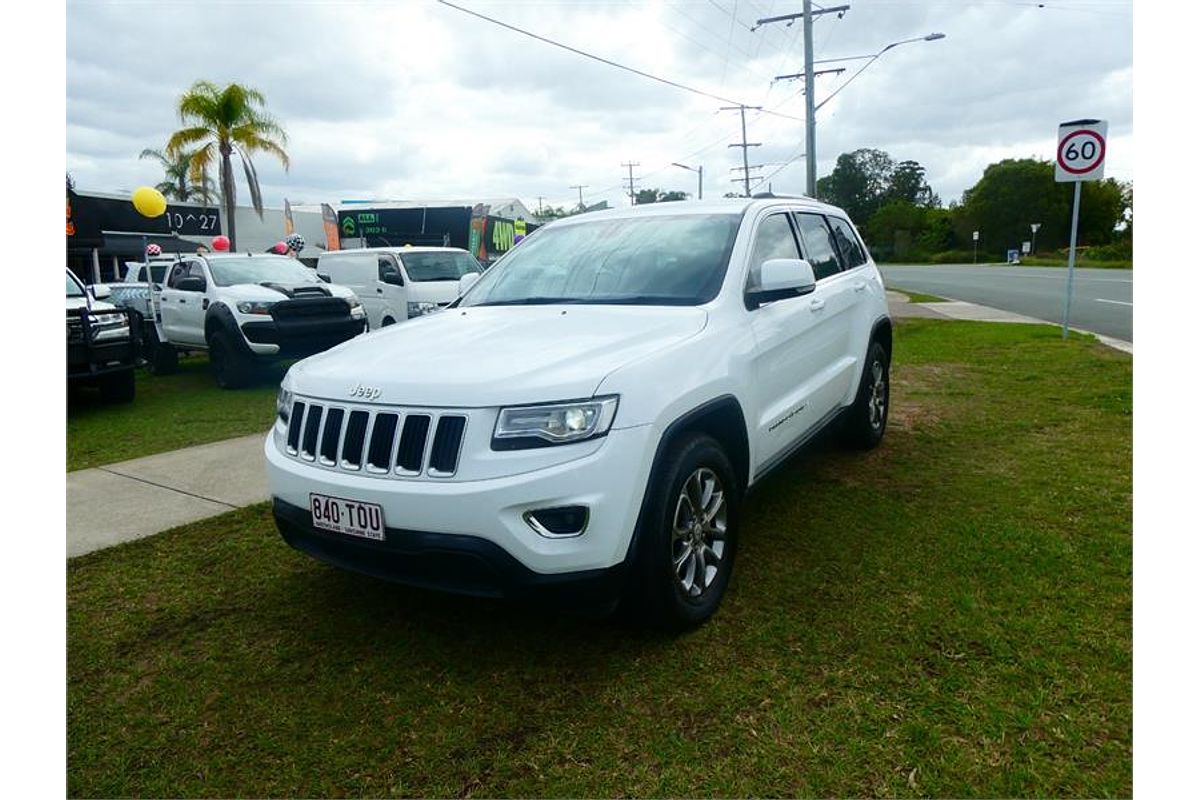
(149,202)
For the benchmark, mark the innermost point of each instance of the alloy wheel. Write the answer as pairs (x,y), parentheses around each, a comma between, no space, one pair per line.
(698,532)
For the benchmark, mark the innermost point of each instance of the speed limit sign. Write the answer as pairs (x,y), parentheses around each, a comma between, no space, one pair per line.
(1081,149)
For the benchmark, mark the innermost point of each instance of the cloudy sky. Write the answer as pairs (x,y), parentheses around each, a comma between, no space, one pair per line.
(417,100)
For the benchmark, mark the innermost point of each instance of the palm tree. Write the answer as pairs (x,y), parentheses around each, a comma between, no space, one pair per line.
(224,121)
(178,184)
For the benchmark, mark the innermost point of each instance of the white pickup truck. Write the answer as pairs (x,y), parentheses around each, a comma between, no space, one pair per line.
(242,308)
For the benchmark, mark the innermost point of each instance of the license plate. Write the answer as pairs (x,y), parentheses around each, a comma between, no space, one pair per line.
(350,517)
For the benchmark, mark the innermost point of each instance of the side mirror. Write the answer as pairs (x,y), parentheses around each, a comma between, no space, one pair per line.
(101,291)
(780,278)
(324,277)
(392,278)
(466,282)
(191,284)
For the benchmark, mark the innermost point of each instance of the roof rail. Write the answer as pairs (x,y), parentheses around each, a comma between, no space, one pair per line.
(770,195)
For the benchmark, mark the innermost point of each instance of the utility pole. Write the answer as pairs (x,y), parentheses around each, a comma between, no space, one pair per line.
(632,196)
(540,199)
(580,188)
(810,120)
(745,145)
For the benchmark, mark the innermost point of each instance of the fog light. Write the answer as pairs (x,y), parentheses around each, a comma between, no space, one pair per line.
(558,523)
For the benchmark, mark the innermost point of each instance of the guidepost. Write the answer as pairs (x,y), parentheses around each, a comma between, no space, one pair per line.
(1080,157)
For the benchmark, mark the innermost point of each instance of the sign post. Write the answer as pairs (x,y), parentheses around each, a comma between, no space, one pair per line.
(975,247)
(1034,227)
(1080,157)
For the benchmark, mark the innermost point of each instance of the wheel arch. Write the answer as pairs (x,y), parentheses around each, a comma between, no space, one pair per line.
(881,332)
(722,419)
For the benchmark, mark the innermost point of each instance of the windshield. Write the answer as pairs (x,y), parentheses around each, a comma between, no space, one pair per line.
(439,266)
(73,288)
(675,260)
(260,269)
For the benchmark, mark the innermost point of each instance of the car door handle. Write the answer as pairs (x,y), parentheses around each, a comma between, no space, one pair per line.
(379,291)
(183,299)
(860,286)
(817,305)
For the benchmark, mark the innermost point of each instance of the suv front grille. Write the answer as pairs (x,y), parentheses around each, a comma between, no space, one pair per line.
(376,442)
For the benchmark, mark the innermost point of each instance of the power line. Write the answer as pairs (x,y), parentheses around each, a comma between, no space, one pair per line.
(602,60)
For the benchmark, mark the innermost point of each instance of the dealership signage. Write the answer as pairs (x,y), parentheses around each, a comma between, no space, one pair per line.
(90,217)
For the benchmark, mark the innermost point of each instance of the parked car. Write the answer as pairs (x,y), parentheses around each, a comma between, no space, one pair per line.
(102,342)
(586,419)
(243,309)
(398,283)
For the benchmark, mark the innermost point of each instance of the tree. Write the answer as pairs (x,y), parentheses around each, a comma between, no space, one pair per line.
(221,122)
(644,196)
(178,184)
(1014,193)
(908,184)
(859,184)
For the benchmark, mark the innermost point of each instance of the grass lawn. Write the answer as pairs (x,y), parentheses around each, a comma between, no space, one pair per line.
(948,615)
(921,297)
(168,412)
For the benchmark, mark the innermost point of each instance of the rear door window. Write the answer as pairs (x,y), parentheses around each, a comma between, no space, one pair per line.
(817,241)
(851,250)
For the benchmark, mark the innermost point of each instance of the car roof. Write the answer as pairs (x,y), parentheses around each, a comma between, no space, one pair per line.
(724,205)
(398,249)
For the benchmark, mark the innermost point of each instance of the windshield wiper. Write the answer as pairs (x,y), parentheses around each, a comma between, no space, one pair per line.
(534,301)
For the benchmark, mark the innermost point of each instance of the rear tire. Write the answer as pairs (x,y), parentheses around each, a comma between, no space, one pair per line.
(230,369)
(387,321)
(161,358)
(865,422)
(687,538)
(117,387)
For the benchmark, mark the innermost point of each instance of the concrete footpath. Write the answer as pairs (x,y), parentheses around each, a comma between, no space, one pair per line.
(899,306)
(133,499)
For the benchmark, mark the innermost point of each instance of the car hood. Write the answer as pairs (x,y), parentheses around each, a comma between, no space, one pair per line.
(492,356)
(82,302)
(255,291)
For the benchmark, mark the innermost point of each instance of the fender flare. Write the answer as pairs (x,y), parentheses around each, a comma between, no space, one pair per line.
(219,317)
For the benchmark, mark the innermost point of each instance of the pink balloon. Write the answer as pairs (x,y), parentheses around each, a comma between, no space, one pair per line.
(279,248)
(220,243)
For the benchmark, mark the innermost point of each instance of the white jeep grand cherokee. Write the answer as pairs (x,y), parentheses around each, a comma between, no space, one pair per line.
(585,421)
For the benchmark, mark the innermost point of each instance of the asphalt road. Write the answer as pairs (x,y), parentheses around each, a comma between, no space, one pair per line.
(1102,300)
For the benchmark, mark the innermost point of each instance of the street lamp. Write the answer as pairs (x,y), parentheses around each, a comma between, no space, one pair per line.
(871,59)
(700,174)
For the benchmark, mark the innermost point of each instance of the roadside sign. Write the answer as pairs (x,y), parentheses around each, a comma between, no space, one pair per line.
(1082,145)
(1026,248)
(975,236)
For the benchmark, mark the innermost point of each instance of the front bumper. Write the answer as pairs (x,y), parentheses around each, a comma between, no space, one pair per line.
(610,481)
(452,563)
(300,338)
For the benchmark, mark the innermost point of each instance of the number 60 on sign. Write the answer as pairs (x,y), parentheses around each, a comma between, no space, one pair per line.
(1082,145)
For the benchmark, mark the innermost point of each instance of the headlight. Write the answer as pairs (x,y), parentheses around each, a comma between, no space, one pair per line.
(420,308)
(109,326)
(283,405)
(356,308)
(521,427)
(262,307)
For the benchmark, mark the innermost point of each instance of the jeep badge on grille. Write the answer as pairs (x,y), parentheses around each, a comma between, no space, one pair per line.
(366,392)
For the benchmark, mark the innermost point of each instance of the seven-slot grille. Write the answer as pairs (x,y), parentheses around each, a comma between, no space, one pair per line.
(376,441)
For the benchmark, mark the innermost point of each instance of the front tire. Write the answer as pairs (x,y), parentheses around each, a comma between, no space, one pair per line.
(865,422)
(688,537)
(230,369)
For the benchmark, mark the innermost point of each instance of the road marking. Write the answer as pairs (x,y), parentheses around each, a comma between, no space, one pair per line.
(1114,302)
